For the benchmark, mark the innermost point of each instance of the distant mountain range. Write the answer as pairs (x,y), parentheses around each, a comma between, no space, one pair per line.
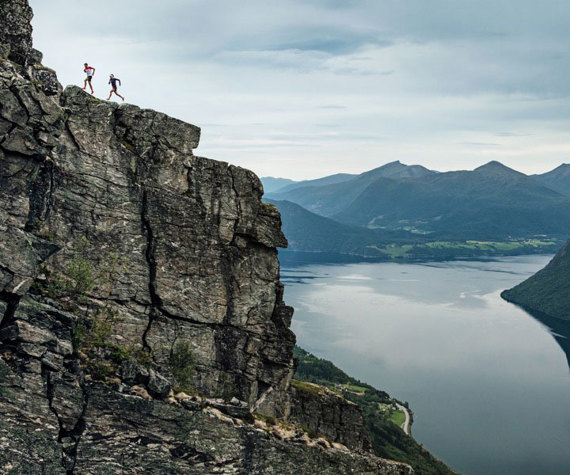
(331,195)
(490,202)
(310,232)
(420,208)
(327,180)
(558,179)
(271,184)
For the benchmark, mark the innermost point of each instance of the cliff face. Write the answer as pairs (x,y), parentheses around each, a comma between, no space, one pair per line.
(133,273)
(324,412)
(198,245)
(547,291)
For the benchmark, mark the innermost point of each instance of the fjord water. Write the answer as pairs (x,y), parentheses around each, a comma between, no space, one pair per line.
(488,382)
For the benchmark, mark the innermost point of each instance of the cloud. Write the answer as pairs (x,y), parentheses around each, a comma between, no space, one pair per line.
(330,85)
(481,144)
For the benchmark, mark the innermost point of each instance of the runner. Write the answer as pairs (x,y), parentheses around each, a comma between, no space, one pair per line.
(90,71)
(113,82)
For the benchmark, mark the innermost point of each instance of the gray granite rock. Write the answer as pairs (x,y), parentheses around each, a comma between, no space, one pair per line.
(325,412)
(158,386)
(133,373)
(129,266)
(16,29)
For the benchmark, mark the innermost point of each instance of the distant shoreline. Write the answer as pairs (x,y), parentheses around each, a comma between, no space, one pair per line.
(299,258)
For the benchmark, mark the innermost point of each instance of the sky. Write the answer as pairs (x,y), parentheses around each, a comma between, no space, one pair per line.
(307,88)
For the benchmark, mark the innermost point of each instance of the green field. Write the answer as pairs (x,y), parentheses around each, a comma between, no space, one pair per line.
(355,388)
(464,249)
(394,250)
(398,418)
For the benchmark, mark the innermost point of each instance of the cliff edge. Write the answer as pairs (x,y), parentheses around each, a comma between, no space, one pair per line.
(142,322)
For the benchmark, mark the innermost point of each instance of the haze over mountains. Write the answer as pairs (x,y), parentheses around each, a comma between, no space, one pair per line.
(311,232)
(330,195)
(271,184)
(411,204)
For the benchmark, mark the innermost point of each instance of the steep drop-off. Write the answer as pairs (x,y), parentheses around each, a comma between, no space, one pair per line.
(142,324)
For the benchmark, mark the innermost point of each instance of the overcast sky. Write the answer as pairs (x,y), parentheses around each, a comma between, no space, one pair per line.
(307,88)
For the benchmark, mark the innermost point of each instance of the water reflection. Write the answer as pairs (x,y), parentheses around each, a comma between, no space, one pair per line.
(474,367)
(559,329)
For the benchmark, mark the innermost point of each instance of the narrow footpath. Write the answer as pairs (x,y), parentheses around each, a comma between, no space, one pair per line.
(406,425)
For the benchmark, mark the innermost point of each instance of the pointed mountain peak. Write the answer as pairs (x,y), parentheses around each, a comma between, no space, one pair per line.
(497,168)
(493,164)
(396,169)
(387,166)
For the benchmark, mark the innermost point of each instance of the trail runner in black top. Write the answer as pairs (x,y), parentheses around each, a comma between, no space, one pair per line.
(113,82)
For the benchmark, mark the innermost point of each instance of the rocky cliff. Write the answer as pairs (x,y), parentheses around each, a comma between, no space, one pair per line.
(142,322)
(325,412)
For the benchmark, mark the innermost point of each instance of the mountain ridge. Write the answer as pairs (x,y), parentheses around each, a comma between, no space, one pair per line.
(327,180)
(492,201)
(328,199)
(447,201)
(558,179)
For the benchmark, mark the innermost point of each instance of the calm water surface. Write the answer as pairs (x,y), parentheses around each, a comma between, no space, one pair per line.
(489,383)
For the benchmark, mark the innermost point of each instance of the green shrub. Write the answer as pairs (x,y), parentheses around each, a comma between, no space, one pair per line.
(81,275)
(79,335)
(100,357)
(100,370)
(102,325)
(142,356)
(269,208)
(92,336)
(181,363)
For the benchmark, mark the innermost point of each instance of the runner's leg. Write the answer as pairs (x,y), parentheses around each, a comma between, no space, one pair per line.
(115,91)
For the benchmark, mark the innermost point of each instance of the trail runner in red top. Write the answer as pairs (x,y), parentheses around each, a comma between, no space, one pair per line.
(90,71)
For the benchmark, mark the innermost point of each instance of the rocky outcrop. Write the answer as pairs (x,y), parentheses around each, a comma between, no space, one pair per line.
(199,246)
(131,272)
(16,45)
(16,30)
(53,419)
(197,243)
(324,412)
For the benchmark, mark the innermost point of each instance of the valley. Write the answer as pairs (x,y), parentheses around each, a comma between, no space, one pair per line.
(409,213)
